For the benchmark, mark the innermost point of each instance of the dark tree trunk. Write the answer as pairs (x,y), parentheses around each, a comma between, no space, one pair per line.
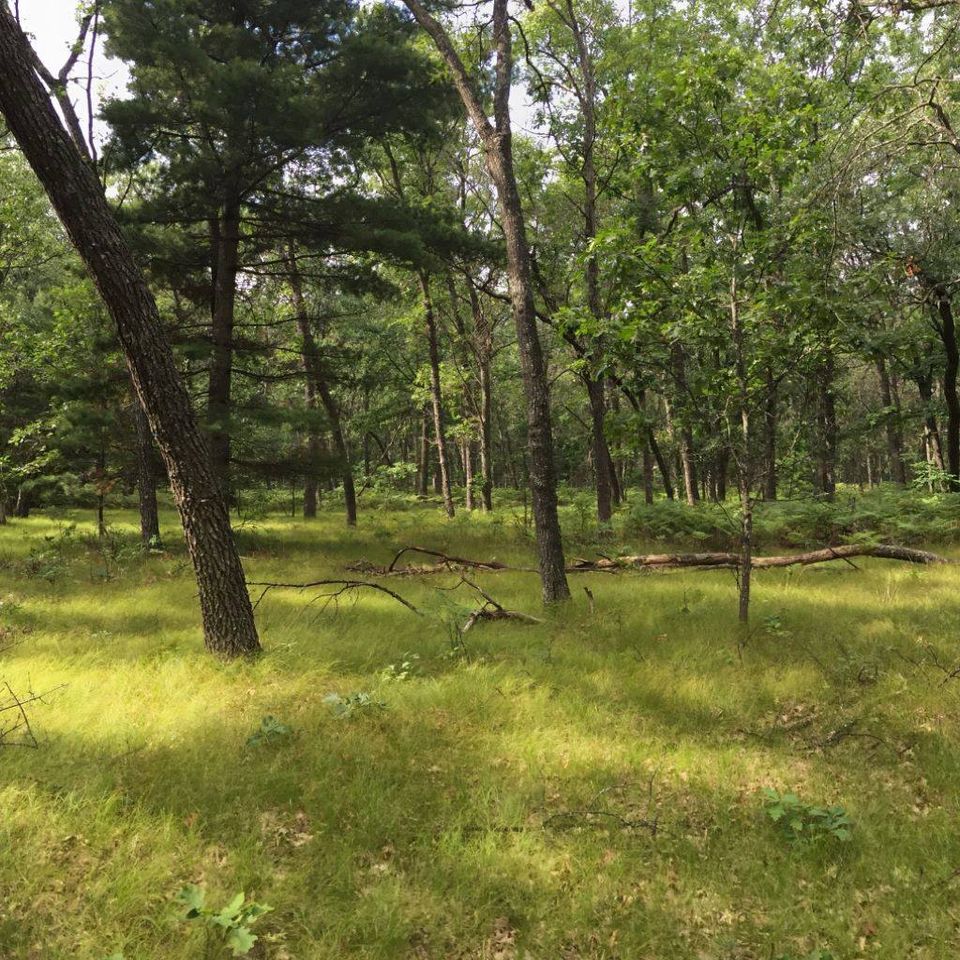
(891,419)
(310,357)
(317,382)
(602,464)
(924,383)
(436,396)
(226,248)
(75,192)
(146,479)
(498,154)
(948,334)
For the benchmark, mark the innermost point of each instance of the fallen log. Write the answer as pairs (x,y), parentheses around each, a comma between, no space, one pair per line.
(659,561)
(844,552)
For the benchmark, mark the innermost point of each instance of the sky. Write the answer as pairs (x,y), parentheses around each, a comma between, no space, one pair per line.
(53,28)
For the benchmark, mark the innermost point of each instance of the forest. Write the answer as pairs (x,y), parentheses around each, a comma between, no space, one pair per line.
(480,480)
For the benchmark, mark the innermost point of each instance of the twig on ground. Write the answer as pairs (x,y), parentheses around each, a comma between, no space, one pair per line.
(344,587)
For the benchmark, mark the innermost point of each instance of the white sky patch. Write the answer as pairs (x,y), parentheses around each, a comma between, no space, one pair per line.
(53,28)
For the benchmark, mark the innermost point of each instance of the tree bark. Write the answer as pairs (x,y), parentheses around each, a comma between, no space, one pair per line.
(891,420)
(146,479)
(826,483)
(226,256)
(75,192)
(436,395)
(948,335)
(498,154)
(318,382)
(770,420)
(484,334)
(602,463)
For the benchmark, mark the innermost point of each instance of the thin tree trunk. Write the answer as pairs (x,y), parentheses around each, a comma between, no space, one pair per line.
(745,458)
(75,192)
(602,465)
(948,335)
(310,359)
(892,424)
(770,420)
(498,154)
(226,260)
(484,354)
(146,479)
(317,375)
(423,463)
(827,430)
(436,396)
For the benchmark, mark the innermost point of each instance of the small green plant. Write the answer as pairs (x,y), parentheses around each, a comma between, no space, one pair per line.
(271,730)
(230,926)
(773,626)
(407,668)
(799,822)
(344,707)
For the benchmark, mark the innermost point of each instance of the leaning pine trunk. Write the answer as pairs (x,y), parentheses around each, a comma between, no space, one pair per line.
(76,195)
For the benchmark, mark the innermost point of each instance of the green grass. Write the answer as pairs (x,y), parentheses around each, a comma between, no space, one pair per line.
(497,807)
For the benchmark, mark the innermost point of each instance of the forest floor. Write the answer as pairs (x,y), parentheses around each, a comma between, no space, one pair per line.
(588,787)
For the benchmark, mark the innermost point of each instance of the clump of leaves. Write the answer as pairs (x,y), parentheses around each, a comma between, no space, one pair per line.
(271,730)
(230,925)
(407,668)
(344,707)
(800,822)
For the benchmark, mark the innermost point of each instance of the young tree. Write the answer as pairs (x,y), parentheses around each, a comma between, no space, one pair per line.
(497,142)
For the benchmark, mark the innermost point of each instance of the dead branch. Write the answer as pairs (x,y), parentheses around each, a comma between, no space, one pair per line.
(661,561)
(491,609)
(17,706)
(447,562)
(344,585)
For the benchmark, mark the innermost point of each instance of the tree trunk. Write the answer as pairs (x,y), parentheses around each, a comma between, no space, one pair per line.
(826,430)
(484,361)
(498,155)
(770,438)
(311,360)
(436,396)
(891,419)
(745,456)
(423,461)
(948,334)
(226,241)
(316,375)
(602,463)
(146,479)
(75,192)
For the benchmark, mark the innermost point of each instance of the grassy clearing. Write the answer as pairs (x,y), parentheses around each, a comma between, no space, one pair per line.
(498,806)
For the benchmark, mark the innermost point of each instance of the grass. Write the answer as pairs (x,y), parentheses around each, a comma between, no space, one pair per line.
(500,805)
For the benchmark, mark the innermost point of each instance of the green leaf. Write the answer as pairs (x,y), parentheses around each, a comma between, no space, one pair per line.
(240,940)
(192,897)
